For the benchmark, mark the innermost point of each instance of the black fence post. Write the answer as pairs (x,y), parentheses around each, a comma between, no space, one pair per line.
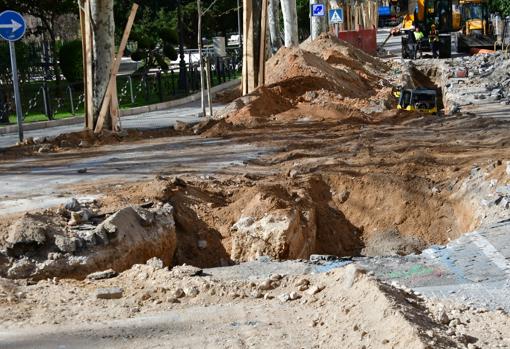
(160,88)
(145,81)
(4,109)
(172,79)
(46,101)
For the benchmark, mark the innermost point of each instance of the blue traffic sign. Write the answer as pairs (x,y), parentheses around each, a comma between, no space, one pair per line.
(12,25)
(318,10)
(336,16)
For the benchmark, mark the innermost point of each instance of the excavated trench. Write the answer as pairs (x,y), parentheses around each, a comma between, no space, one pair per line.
(375,214)
(220,222)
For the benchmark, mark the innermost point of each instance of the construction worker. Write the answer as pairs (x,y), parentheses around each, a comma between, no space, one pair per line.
(411,43)
(418,37)
(434,40)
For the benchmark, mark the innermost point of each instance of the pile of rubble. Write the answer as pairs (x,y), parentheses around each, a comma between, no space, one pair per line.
(76,240)
(474,80)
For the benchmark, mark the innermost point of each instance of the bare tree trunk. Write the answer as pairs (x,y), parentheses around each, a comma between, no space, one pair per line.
(290,23)
(104,46)
(316,21)
(201,58)
(273,13)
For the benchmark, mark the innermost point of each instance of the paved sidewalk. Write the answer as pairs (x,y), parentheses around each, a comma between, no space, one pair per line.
(152,120)
(474,269)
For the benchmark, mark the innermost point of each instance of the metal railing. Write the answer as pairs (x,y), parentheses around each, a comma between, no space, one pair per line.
(46,98)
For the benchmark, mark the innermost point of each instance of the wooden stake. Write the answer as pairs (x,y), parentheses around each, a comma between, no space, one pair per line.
(115,68)
(208,77)
(247,4)
(114,110)
(86,42)
(262,56)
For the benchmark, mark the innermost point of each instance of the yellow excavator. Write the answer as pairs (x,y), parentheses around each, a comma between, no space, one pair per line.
(477,31)
(425,13)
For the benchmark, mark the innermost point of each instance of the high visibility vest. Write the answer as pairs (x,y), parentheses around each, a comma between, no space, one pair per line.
(418,36)
(433,36)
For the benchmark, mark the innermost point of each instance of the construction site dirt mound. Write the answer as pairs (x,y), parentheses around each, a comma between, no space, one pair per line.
(341,308)
(323,79)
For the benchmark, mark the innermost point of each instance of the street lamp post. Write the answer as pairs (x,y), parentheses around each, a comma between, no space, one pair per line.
(183,81)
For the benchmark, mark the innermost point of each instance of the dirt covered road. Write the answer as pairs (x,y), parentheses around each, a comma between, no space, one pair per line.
(318,161)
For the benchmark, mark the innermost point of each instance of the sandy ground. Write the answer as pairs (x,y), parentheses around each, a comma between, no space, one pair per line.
(321,160)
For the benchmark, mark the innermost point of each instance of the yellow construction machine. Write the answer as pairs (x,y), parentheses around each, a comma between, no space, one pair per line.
(419,99)
(477,31)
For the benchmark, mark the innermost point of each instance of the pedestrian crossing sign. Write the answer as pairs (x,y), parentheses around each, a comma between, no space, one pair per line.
(336,16)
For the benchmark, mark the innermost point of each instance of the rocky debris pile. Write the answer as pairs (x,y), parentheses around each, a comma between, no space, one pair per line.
(477,79)
(289,223)
(487,189)
(342,307)
(75,241)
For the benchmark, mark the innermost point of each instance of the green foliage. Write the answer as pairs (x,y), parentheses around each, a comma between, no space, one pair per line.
(47,10)
(152,32)
(71,61)
(22,60)
(303,13)
(500,6)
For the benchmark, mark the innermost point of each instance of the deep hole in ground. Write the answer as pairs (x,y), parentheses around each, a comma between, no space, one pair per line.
(348,177)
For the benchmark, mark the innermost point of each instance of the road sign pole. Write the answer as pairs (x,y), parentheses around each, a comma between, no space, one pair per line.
(15,84)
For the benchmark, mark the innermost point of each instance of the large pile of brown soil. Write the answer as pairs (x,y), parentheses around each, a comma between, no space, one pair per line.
(324,79)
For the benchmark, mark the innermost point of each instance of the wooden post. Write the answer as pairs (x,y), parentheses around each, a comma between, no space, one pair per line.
(105,106)
(262,54)
(114,109)
(86,42)
(208,78)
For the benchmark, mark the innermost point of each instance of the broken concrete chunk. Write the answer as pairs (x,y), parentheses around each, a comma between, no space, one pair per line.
(72,205)
(155,262)
(314,289)
(75,219)
(294,296)
(184,270)
(109,293)
(284,297)
(180,126)
(191,291)
(179,293)
(322,258)
(118,243)
(101,275)
(21,269)
(66,244)
(45,148)
(281,234)
(146,216)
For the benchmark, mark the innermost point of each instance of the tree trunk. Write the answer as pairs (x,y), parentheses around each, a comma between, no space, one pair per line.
(290,23)
(273,13)
(104,46)
(316,21)
(201,58)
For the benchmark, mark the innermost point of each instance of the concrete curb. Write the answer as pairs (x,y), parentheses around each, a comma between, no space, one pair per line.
(125,112)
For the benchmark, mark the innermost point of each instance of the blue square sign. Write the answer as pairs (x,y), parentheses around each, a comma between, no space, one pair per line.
(318,10)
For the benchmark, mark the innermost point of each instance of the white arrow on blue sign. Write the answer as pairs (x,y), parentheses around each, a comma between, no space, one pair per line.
(336,16)
(318,10)
(12,25)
